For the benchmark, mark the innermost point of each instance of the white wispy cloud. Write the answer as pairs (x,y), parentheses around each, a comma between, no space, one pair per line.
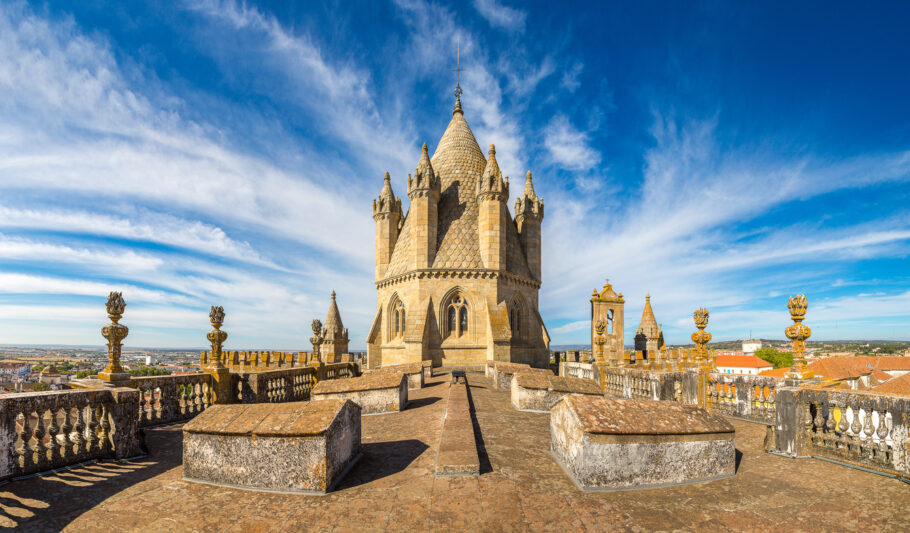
(569,147)
(501,16)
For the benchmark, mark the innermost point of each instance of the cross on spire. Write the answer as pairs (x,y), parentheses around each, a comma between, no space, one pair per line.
(457,70)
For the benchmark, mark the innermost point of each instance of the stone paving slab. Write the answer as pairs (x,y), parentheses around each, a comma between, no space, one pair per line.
(520,488)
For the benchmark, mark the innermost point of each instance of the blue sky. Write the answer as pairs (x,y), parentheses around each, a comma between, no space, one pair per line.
(202,152)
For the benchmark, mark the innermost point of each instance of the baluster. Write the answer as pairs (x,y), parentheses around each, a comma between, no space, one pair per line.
(78,435)
(27,457)
(93,440)
(105,445)
(186,408)
(855,425)
(882,434)
(868,431)
(40,447)
(143,416)
(52,430)
(67,452)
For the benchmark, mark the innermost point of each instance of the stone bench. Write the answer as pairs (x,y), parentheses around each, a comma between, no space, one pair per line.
(414,371)
(294,447)
(614,444)
(457,452)
(500,373)
(376,392)
(535,391)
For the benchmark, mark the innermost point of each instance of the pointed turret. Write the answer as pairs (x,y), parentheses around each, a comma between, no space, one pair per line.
(335,335)
(492,214)
(528,217)
(425,181)
(387,214)
(648,336)
(423,190)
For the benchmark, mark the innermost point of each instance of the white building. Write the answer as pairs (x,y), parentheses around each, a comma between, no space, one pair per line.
(742,364)
(751,346)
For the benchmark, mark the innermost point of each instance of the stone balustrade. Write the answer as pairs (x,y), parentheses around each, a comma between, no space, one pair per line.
(46,430)
(748,397)
(166,399)
(572,369)
(256,360)
(634,383)
(287,385)
(859,428)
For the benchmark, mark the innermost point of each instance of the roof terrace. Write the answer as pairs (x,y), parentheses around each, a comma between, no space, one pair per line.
(520,487)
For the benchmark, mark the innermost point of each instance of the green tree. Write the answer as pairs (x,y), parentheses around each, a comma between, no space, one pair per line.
(37,368)
(776,357)
(41,386)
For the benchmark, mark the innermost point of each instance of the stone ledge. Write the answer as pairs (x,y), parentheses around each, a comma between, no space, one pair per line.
(375,394)
(535,391)
(291,447)
(609,444)
(457,453)
(416,372)
(501,372)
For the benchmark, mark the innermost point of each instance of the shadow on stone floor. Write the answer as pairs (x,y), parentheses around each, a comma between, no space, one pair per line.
(25,505)
(381,459)
(429,384)
(421,402)
(485,465)
(739,458)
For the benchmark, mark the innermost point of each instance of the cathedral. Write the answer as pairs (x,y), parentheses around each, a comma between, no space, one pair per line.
(458,276)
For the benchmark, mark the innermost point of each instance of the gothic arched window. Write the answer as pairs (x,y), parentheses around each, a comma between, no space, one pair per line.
(515,319)
(456,316)
(397,319)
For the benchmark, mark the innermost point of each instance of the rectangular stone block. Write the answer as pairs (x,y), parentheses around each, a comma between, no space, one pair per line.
(501,373)
(289,447)
(376,392)
(617,444)
(536,391)
(414,371)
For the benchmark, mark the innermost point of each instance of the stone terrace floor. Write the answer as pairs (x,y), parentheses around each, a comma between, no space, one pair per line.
(521,488)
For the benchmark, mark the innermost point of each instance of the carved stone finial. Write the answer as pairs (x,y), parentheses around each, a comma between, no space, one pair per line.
(798,333)
(317,338)
(114,333)
(701,338)
(216,337)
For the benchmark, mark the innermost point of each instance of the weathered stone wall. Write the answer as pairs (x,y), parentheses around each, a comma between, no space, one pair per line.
(62,428)
(457,451)
(375,393)
(532,391)
(299,447)
(623,444)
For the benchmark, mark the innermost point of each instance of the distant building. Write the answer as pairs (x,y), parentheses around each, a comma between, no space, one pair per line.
(10,370)
(149,360)
(742,364)
(751,346)
(649,337)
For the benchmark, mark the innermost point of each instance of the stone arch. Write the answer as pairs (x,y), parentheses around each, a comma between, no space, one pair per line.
(397,317)
(518,316)
(456,314)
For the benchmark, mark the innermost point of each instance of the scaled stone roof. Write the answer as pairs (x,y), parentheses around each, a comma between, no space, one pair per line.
(459,163)
(333,329)
(648,323)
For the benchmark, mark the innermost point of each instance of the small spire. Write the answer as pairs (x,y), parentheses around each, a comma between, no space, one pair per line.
(648,297)
(457,106)
(333,292)
(529,187)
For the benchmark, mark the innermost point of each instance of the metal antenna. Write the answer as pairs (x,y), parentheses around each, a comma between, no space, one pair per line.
(457,70)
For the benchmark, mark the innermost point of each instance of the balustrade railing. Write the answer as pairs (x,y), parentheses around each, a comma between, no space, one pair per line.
(865,429)
(42,431)
(642,384)
(287,385)
(166,399)
(579,370)
(748,397)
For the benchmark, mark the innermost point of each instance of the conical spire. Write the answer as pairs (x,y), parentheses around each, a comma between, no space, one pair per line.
(386,202)
(529,204)
(529,187)
(648,323)
(333,329)
(491,184)
(424,177)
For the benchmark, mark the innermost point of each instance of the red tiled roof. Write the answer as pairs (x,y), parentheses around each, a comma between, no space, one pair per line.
(742,361)
(900,386)
(776,372)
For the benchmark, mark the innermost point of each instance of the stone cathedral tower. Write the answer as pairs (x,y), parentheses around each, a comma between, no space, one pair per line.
(458,277)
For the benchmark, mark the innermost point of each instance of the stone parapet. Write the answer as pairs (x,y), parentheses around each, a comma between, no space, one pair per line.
(375,393)
(62,428)
(166,399)
(617,444)
(535,391)
(416,372)
(295,447)
(500,373)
